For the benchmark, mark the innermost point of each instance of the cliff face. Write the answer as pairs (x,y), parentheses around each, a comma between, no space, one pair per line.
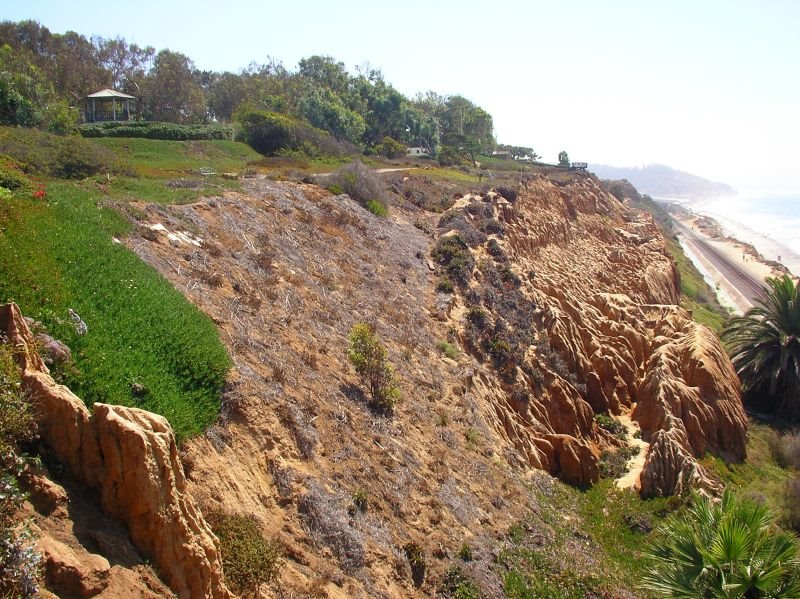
(568,310)
(606,333)
(562,307)
(129,456)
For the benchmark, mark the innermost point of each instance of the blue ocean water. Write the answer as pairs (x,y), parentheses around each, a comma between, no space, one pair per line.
(771,222)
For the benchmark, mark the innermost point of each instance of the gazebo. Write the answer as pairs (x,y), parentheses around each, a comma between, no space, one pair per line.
(108,105)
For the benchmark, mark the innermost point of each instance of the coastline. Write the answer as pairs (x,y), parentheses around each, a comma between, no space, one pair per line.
(742,254)
(758,235)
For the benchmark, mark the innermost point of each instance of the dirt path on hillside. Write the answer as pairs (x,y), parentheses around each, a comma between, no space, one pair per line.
(636,463)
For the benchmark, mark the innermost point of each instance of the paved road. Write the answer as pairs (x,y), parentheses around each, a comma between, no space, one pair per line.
(750,287)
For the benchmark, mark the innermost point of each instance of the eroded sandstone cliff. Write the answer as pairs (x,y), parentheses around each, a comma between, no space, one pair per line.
(561,306)
(577,316)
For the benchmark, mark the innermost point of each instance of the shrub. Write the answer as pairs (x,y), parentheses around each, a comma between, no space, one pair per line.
(786,449)
(377,208)
(613,426)
(12,176)
(329,524)
(248,559)
(369,357)
(391,148)
(157,130)
(456,585)
(465,552)
(448,349)
(791,503)
(360,502)
(271,133)
(416,559)
(445,285)
(449,156)
(362,184)
(454,255)
(40,153)
(614,463)
(507,193)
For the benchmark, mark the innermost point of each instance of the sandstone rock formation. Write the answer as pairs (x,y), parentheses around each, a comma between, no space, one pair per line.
(578,285)
(608,336)
(130,457)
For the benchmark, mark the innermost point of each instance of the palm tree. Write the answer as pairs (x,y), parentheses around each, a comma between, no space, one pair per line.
(764,345)
(729,549)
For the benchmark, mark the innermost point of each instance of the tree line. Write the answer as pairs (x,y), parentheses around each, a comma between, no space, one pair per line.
(45,76)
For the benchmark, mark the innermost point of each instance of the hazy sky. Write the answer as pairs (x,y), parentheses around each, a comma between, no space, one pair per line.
(712,87)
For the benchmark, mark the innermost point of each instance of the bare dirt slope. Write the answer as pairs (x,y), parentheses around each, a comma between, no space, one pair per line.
(567,310)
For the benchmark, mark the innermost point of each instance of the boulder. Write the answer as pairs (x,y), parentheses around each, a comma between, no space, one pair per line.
(68,572)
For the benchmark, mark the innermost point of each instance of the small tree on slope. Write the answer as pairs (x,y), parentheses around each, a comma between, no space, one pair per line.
(368,356)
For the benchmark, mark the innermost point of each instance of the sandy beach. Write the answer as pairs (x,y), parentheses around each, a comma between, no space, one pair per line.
(702,237)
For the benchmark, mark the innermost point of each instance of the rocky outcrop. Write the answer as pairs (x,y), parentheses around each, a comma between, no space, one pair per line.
(670,467)
(606,334)
(130,457)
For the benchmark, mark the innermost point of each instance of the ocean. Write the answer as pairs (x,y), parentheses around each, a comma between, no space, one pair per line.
(770,222)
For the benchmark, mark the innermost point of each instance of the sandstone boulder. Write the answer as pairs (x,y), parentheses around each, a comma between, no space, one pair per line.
(69,573)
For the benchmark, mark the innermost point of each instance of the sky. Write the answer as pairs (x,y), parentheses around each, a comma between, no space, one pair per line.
(710,87)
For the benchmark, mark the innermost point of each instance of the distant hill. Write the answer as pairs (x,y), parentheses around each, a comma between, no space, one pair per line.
(662,180)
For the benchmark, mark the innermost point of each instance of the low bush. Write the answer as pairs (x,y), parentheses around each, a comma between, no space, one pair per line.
(611,425)
(45,154)
(790,517)
(157,130)
(614,463)
(377,208)
(457,585)
(785,449)
(369,358)
(465,552)
(448,349)
(445,285)
(271,133)
(391,148)
(363,185)
(248,559)
(329,525)
(416,559)
(452,253)
(12,176)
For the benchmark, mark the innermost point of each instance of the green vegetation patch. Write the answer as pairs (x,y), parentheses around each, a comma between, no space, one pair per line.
(47,155)
(761,476)
(248,559)
(148,157)
(157,130)
(146,345)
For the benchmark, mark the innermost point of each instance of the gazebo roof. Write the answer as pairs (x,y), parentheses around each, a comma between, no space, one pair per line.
(110,93)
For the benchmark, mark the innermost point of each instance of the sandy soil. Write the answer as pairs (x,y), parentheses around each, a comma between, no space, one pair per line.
(636,463)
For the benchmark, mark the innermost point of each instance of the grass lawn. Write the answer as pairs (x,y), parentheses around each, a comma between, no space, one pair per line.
(146,345)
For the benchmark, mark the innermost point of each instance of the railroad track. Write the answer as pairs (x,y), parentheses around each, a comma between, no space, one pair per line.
(750,287)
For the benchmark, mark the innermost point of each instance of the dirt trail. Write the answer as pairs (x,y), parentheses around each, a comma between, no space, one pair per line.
(636,463)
